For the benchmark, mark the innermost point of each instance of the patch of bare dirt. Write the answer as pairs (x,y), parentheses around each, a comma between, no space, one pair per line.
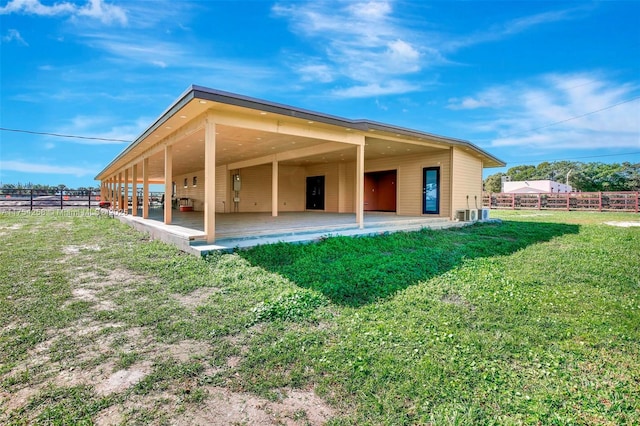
(4,229)
(123,379)
(224,407)
(623,224)
(13,227)
(13,401)
(73,249)
(196,297)
(457,300)
(184,350)
(90,295)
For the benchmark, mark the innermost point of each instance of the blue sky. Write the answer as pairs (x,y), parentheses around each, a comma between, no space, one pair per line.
(527,81)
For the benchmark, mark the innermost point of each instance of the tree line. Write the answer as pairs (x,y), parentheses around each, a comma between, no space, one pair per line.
(584,177)
(20,188)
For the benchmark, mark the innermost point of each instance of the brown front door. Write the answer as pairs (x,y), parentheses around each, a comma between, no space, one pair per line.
(380,191)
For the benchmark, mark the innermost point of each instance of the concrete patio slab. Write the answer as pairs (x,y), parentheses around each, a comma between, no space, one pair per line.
(245,230)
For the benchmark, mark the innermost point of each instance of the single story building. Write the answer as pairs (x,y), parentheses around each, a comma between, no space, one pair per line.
(222,153)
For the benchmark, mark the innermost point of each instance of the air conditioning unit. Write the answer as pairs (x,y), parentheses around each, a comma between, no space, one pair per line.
(484,215)
(462,215)
(473,215)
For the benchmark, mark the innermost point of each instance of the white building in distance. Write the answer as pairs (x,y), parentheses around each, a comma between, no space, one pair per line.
(535,187)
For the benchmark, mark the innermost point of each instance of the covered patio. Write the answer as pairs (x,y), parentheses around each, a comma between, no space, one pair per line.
(244,168)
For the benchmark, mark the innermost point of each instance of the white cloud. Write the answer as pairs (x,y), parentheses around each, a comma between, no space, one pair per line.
(95,9)
(375,89)
(34,7)
(561,111)
(364,46)
(490,98)
(14,35)
(512,27)
(140,49)
(316,72)
(106,13)
(25,167)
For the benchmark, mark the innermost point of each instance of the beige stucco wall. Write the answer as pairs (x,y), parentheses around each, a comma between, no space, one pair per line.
(466,180)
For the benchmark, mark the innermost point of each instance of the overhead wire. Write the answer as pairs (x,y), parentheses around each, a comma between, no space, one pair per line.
(572,118)
(60,135)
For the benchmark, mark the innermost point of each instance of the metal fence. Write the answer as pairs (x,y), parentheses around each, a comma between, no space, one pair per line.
(591,201)
(37,199)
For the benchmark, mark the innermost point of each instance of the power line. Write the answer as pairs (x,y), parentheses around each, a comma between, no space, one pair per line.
(59,135)
(571,118)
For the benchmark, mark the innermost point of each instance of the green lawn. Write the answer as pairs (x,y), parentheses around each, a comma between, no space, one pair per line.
(532,321)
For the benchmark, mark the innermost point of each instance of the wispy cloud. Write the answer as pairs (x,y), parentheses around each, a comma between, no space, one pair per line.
(94,9)
(560,111)
(26,167)
(363,46)
(14,35)
(515,26)
(141,49)
(376,89)
(368,50)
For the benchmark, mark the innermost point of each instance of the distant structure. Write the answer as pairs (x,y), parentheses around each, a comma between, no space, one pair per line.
(534,187)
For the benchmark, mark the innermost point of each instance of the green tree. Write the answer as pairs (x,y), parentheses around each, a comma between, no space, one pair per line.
(632,176)
(519,173)
(493,183)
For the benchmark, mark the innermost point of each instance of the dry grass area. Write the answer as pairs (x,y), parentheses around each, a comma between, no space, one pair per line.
(109,360)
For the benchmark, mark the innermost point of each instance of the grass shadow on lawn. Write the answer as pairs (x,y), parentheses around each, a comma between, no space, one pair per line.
(357,271)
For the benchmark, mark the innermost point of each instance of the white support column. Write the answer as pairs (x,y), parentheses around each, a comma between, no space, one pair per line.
(168,187)
(125,196)
(145,188)
(359,205)
(134,190)
(119,191)
(274,188)
(210,179)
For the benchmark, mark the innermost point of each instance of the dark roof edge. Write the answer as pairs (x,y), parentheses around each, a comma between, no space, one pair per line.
(235,99)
